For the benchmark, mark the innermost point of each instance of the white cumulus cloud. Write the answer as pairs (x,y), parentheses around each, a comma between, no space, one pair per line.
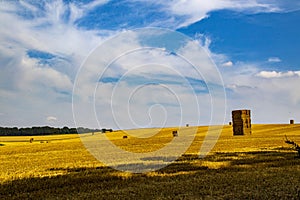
(274,59)
(264,92)
(228,64)
(51,119)
(275,74)
(191,11)
(30,86)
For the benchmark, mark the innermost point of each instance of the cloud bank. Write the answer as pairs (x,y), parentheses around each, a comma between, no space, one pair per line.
(43,44)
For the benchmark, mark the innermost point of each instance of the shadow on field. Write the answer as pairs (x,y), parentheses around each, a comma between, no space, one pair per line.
(257,159)
(254,175)
(159,158)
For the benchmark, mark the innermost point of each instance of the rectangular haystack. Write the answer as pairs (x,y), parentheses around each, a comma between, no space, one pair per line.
(241,120)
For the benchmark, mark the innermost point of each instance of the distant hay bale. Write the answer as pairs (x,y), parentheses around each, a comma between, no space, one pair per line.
(125,137)
(241,122)
(104,130)
(175,134)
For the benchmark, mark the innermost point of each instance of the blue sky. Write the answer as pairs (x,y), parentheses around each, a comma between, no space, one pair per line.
(252,37)
(254,45)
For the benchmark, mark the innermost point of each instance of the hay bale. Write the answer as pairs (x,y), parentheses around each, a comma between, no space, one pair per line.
(104,130)
(241,122)
(175,134)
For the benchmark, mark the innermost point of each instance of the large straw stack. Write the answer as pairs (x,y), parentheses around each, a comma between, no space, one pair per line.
(241,122)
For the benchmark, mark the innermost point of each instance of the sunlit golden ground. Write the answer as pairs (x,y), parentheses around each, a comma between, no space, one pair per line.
(259,166)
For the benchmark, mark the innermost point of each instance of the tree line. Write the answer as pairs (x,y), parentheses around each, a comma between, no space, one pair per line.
(44,130)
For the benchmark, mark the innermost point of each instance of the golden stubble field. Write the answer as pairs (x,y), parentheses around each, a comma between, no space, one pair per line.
(258,166)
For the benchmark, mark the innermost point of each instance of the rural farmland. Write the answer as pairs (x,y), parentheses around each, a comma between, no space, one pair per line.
(256,166)
(141,99)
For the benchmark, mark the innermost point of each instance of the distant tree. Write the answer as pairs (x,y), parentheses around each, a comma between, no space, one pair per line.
(65,130)
(44,130)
